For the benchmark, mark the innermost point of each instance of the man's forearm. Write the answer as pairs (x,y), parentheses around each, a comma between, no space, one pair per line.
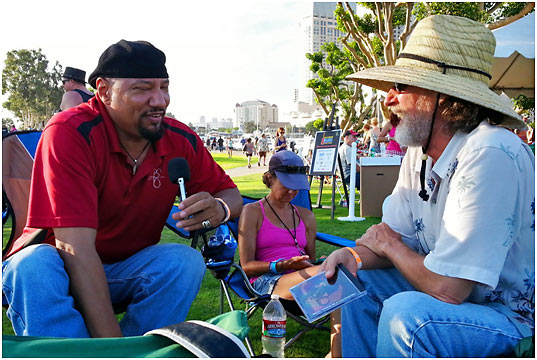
(411,265)
(90,290)
(87,280)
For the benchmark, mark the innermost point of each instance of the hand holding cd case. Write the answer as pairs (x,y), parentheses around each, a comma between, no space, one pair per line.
(317,298)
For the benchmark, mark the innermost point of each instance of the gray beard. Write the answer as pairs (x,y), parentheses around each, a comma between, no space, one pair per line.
(412,131)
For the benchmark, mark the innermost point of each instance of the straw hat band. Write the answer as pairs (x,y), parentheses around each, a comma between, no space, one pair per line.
(442,65)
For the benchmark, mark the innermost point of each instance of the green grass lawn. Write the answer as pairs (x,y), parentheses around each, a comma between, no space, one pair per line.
(315,344)
(237,160)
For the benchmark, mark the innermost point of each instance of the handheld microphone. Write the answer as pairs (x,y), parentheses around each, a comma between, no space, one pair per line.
(179,172)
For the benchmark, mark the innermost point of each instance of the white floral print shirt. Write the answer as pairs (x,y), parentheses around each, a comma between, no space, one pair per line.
(479,222)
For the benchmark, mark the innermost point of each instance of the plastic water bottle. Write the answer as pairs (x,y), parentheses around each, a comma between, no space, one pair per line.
(383,149)
(274,322)
(372,152)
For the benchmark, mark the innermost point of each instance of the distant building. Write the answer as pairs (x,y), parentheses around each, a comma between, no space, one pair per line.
(259,112)
(317,28)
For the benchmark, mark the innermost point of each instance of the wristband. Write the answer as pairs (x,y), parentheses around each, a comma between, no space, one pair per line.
(227,212)
(272,266)
(356,256)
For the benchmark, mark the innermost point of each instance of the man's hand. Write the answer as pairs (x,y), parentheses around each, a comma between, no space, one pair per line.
(201,206)
(340,256)
(378,238)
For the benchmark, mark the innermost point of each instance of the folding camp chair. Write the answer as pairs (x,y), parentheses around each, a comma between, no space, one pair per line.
(238,281)
(18,150)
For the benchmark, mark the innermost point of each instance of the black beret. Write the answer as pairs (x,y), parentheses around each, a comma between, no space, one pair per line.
(130,59)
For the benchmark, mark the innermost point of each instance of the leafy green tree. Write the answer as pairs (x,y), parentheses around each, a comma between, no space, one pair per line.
(369,41)
(7,123)
(524,104)
(313,126)
(34,90)
(169,114)
(319,123)
(249,127)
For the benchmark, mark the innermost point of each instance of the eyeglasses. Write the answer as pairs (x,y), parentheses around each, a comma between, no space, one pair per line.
(292,169)
(400,87)
(65,81)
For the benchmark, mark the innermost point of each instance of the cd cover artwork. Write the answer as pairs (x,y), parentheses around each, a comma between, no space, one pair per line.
(317,298)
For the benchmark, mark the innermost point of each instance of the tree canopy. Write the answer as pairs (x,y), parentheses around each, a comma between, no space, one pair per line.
(34,90)
(369,41)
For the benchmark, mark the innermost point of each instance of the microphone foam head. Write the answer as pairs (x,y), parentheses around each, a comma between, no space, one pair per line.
(178,168)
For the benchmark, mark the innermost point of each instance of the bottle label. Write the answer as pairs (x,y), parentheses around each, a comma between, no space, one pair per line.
(274,329)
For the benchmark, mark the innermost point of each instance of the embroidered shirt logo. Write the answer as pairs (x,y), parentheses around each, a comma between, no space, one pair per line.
(155,178)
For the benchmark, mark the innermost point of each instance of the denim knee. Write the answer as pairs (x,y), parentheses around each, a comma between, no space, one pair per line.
(180,261)
(31,261)
(401,317)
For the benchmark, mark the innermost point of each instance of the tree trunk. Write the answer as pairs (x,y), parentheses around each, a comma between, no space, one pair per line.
(501,23)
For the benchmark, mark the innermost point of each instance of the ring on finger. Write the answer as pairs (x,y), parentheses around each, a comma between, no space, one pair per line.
(206,224)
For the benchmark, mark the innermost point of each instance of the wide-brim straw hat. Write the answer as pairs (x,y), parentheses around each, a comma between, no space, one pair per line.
(451,55)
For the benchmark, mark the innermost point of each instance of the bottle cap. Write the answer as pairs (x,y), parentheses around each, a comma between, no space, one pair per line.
(274,297)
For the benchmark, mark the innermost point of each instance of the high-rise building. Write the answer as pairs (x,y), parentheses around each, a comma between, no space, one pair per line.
(261,113)
(318,28)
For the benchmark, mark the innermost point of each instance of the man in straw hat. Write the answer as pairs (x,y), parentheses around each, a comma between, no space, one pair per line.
(74,84)
(449,271)
(100,186)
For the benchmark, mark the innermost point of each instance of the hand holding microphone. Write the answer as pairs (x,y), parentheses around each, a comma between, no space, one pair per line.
(200,210)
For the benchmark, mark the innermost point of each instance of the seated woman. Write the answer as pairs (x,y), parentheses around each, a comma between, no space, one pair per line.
(276,238)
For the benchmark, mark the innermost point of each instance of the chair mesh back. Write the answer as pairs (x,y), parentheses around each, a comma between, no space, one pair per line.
(18,150)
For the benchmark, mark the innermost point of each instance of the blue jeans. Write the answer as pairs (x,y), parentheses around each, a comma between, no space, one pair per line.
(159,283)
(347,180)
(396,320)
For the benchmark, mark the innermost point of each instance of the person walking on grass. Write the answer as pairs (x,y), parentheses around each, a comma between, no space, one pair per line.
(450,270)
(249,151)
(230,148)
(262,150)
(280,142)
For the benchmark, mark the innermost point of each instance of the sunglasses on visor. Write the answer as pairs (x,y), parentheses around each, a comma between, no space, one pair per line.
(292,169)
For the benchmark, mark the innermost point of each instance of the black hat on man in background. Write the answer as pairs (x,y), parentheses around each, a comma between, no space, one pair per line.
(75,74)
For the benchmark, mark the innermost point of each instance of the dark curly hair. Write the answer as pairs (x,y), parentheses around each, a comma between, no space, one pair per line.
(463,115)
(266,179)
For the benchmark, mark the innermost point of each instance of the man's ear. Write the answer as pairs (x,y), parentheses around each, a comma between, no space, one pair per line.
(104,89)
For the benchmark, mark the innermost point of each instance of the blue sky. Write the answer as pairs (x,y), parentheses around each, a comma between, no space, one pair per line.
(519,36)
(219,53)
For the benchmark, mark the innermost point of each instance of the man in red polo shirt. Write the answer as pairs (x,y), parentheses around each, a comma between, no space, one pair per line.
(100,186)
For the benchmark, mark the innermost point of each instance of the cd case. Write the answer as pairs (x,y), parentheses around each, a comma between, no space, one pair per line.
(317,298)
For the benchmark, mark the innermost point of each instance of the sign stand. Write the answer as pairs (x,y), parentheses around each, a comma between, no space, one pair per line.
(325,154)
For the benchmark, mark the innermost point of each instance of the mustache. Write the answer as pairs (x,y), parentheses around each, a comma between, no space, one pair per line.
(154,110)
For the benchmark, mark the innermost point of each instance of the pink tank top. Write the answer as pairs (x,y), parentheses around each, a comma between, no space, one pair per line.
(274,243)
(393,147)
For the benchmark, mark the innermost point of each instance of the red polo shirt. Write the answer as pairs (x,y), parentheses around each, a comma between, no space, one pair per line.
(81,178)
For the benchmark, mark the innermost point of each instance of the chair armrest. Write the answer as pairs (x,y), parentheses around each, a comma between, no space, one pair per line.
(335,240)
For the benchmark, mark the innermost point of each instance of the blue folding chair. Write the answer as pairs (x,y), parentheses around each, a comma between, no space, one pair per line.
(18,151)
(238,282)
